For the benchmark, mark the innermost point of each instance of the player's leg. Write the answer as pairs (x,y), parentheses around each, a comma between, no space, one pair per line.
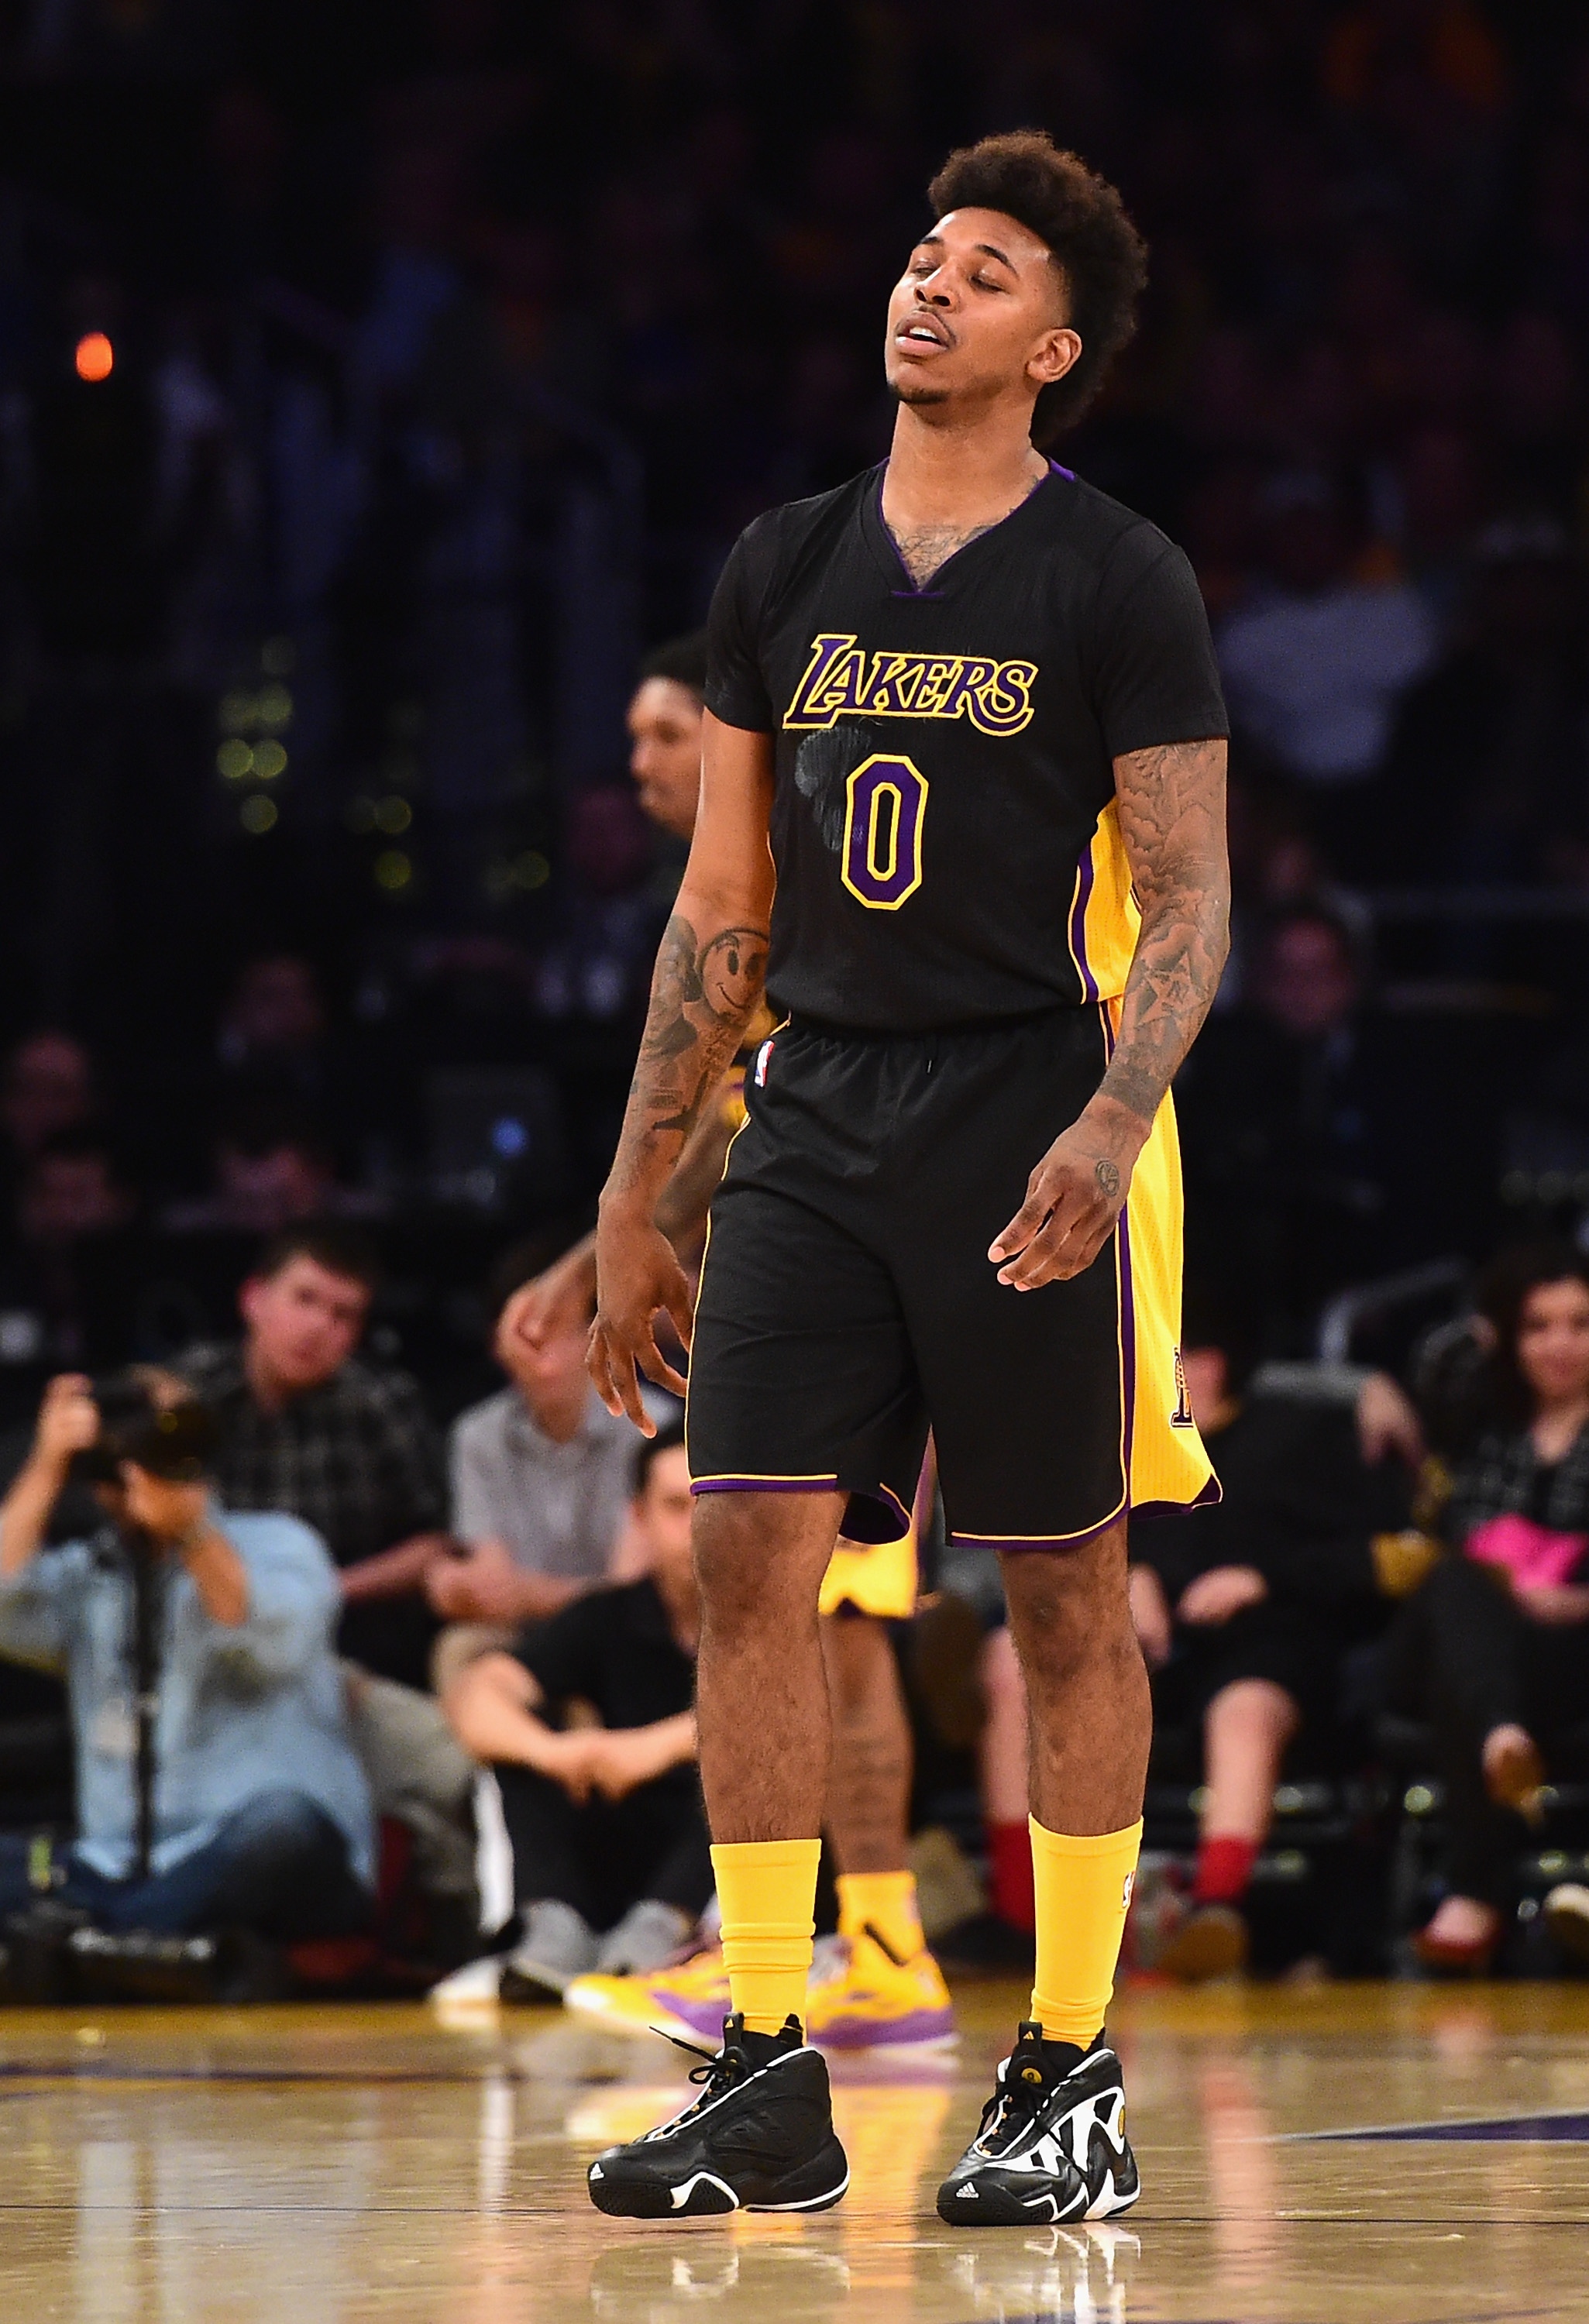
(760,2135)
(1091,1719)
(762,1714)
(869,1783)
(882,1987)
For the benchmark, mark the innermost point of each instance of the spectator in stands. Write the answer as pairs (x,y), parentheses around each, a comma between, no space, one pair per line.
(309,1429)
(542,1476)
(606,1823)
(73,1262)
(272,1169)
(1245,1610)
(1494,1648)
(1284,1116)
(1488,775)
(664,718)
(1315,663)
(247,1807)
(48,1087)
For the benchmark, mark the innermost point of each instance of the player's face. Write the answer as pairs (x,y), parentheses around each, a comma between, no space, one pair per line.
(665,753)
(1553,1340)
(978,314)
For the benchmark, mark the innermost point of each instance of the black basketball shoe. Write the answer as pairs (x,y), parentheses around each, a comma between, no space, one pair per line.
(1051,2142)
(759,2138)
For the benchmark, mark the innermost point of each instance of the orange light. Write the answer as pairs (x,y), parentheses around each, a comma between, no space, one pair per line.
(95,358)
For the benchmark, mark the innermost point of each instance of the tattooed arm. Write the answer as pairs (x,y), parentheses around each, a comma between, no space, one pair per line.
(1173,819)
(705,988)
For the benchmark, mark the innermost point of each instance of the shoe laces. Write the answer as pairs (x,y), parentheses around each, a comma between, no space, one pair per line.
(719,2070)
(1018,2098)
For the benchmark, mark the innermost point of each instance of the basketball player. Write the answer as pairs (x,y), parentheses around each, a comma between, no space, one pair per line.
(962,815)
(882,1987)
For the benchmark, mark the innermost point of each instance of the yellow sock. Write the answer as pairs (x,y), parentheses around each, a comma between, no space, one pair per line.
(885,1900)
(1083,1889)
(767,1889)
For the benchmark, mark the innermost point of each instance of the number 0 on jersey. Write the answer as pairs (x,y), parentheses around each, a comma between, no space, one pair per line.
(885,807)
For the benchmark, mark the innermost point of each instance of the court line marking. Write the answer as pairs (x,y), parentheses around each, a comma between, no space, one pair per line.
(1449,2127)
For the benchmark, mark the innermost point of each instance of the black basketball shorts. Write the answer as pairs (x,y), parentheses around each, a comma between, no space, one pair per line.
(847,1302)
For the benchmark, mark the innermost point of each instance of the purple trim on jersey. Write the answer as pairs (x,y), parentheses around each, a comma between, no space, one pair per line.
(763,1485)
(1128,1340)
(1054,469)
(1078,924)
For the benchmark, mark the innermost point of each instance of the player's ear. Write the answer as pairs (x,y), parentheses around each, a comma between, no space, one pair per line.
(1057,353)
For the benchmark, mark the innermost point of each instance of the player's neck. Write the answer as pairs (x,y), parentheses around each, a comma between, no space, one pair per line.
(968,471)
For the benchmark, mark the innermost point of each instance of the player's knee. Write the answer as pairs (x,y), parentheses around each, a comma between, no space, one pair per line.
(751,1563)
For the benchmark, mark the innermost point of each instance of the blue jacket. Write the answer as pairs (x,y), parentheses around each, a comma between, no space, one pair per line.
(241,1711)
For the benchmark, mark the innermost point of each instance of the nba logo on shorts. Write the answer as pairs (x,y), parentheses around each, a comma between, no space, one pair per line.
(763,1055)
(1181,1417)
(1126,1894)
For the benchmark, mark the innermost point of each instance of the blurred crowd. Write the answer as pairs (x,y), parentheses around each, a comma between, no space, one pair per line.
(373,385)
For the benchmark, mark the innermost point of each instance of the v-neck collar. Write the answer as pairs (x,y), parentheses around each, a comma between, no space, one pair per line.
(886,549)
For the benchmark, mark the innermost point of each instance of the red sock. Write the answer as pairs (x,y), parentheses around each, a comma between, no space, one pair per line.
(1225,1868)
(1013,1898)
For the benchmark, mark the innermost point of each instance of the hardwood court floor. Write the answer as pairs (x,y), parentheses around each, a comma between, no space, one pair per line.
(289,2166)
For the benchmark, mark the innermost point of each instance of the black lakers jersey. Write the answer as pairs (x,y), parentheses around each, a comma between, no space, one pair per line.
(944,825)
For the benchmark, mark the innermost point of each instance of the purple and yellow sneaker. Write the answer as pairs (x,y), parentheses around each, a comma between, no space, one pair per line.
(863,1996)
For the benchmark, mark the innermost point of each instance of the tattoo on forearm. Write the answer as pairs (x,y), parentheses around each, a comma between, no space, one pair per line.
(1172,817)
(704,994)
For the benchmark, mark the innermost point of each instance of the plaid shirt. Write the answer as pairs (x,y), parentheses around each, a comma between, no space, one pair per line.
(356,1459)
(1504,1476)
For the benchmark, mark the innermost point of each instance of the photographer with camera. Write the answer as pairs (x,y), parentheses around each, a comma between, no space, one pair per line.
(218,1787)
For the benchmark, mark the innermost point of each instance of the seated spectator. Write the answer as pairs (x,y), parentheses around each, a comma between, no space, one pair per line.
(307,1429)
(47,1087)
(1245,1611)
(1494,1648)
(606,1822)
(272,1169)
(243,1806)
(68,1278)
(1314,665)
(541,1480)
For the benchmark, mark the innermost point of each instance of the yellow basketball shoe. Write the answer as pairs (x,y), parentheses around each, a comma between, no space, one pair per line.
(689,2000)
(862,1996)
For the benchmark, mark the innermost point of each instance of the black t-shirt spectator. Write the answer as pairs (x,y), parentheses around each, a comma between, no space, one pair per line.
(1300,1504)
(612,1649)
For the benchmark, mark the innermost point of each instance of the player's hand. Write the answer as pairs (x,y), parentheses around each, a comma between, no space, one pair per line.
(638,1277)
(1073,1199)
(1150,1614)
(1222,1591)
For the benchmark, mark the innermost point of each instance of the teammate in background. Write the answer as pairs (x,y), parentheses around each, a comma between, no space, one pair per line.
(879,1984)
(964,717)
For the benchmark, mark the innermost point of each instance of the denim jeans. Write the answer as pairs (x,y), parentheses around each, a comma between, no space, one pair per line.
(277,1865)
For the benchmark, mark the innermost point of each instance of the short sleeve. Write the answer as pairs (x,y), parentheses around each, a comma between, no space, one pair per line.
(565,1654)
(737,691)
(1154,676)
